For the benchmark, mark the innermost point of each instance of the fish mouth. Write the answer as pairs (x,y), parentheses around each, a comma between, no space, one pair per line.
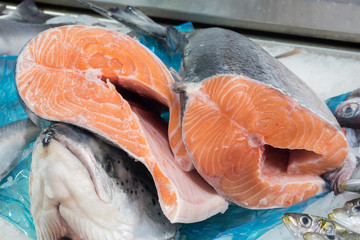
(70,137)
(291,224)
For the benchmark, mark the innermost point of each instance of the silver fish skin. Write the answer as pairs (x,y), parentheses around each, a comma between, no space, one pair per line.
(13,138)
(348,217)
(352,185)
(84,188)
(318,236)
(300,223)
(27,12)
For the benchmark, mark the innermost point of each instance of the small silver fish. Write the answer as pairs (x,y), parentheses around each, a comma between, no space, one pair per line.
(83,188)
(318,236)
(299,223)
(348,216)
(13,138)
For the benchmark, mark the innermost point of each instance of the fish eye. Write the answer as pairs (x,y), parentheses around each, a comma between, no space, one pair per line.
(330,237)
(109,168)
(350,110)
(305,221)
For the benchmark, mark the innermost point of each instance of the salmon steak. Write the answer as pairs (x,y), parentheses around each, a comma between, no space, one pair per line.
(81,75)
(258,134)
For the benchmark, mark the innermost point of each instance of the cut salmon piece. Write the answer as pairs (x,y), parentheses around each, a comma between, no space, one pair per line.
(257,133)
(71,74)
(256,146)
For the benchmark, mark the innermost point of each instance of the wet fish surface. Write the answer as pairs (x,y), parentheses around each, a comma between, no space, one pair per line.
(348,216)
(98,82)
(299,224)
(84,188)
(13,138)
(240,111)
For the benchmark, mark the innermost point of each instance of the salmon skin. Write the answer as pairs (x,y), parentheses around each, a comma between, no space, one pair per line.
(75,74)
(258,134)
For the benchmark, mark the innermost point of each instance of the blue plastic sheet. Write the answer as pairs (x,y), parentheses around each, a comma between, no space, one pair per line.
(235,223)
(14,188)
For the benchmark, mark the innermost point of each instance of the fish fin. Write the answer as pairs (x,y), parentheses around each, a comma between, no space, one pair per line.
(139,14)
(28,10)
(49,227)
(130,18)
(83,227)
(142,24)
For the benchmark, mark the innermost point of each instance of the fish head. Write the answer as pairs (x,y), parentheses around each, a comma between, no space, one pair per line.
(87,152)
(300,223)
(347,113)
(75,186)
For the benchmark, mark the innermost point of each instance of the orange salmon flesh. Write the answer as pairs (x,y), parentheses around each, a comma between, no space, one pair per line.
(256,146)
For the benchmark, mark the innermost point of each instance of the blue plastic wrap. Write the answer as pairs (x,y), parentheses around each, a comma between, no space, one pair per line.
(14,188)
(10,108)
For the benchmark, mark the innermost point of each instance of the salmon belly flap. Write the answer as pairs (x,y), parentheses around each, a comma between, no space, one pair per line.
(255,145)
(72,74)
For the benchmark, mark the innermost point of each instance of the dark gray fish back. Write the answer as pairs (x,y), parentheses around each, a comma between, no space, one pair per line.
(215,51)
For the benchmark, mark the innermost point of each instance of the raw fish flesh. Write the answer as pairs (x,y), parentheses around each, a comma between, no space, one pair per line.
(73,74)
(258,134)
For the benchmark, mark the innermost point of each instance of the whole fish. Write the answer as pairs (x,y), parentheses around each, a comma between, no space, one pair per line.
(84,188)
(346,108)
(318,236)
(13,138)
(348,216)
(299,223)
(252,129)
(27,12)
